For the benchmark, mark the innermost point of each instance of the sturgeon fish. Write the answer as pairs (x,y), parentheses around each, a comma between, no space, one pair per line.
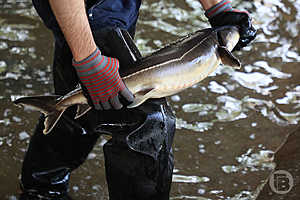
(165,72)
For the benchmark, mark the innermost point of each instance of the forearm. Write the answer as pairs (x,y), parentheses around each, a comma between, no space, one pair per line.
(206,4)
(72,19)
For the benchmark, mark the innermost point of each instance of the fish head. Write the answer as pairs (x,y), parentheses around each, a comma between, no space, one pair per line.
(229,36)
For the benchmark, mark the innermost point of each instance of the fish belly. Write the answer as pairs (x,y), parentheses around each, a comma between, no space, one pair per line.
(171,79)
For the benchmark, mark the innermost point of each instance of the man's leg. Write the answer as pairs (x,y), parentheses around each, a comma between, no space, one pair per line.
(50,158)
(139,164)
(138,158)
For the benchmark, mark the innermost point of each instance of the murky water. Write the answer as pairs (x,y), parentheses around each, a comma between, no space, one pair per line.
(228,126)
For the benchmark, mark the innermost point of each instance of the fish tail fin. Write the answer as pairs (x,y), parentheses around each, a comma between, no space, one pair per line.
(46,105)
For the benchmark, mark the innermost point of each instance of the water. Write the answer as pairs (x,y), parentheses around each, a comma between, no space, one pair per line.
(229,126)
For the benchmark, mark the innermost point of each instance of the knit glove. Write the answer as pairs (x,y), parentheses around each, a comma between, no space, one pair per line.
(223,14)
(100,77)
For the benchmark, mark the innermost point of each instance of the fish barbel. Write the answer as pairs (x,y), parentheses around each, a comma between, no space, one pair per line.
(165,72)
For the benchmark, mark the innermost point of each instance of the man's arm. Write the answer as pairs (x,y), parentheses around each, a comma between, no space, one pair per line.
(99,75)
(72,19)
(206,4)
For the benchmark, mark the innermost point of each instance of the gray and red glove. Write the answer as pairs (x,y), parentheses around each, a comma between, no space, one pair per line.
(223,14)
(100,77)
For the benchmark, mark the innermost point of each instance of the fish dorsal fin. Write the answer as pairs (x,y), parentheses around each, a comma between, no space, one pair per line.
(228,58)
(141,96)
(130,45)
(123,48)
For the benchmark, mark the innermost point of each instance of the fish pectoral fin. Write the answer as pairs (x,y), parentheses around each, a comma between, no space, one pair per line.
(228,58)
(51,120)
(141,96)
(82,109)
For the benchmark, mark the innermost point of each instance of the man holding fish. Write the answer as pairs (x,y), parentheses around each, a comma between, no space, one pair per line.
(91,50)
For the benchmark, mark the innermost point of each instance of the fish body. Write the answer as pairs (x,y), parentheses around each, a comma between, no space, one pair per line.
(181,65)
(165,72)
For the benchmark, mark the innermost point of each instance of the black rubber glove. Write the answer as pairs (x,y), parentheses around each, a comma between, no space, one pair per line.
(223,14)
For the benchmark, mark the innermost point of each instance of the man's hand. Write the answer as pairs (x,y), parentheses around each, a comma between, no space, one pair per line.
(222,14)
(99,74)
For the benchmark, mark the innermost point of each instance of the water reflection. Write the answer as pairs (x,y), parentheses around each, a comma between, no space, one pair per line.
(228,127)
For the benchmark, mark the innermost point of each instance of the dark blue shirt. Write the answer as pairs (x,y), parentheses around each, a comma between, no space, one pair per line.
(101,14)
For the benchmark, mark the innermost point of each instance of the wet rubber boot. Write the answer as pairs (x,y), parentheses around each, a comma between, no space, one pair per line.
(29,196)
(51,158)
(138,159)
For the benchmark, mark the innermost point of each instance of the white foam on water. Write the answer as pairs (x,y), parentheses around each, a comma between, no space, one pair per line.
(217,88)
(176,178)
